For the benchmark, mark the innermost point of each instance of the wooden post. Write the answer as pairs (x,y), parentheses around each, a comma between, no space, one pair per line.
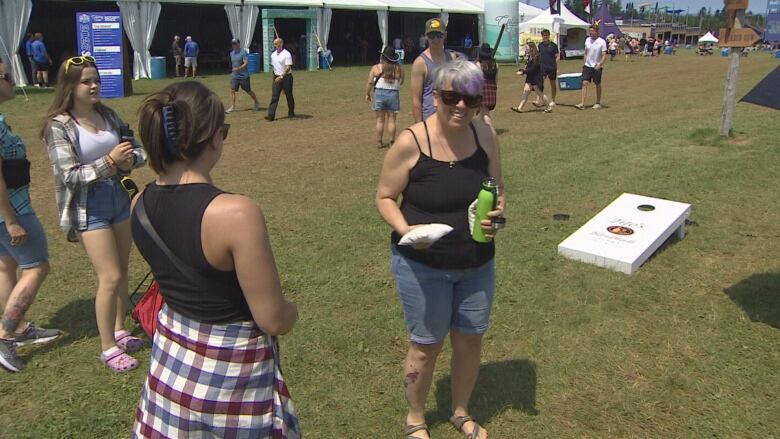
(730,93)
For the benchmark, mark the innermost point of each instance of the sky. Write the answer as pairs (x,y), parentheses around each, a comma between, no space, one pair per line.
(757,6)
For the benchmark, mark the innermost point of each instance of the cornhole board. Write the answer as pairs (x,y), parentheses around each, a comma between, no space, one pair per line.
(626,233)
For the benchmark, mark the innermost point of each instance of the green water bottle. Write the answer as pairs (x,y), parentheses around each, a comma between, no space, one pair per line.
(486,201)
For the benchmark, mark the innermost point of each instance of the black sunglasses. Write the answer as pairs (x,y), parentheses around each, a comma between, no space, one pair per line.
(224,129)
(449,97)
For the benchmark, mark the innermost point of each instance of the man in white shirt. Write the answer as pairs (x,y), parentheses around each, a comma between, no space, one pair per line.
(595,55)
(282,63)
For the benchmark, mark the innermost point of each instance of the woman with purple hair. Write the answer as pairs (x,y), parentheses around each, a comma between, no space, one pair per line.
(446,286)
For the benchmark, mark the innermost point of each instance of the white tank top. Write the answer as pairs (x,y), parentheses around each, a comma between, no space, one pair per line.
(388,85)
(93,146)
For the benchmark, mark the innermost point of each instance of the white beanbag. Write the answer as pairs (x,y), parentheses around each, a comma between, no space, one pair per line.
(427,234)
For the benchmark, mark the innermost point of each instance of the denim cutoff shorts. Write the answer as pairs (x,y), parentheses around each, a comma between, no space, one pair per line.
(436,300)
(387,100)
(34,251)
(107,204)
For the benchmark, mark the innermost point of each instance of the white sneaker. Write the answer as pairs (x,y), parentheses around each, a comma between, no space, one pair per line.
(229,110)
(552,103)
(597,106)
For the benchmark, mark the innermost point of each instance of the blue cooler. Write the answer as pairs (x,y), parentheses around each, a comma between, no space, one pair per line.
(724,52)
(323,61)
(158,67)
(570,81)
(777,54)
(253,63)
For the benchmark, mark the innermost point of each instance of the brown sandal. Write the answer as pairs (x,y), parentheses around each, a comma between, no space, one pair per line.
(458,421)
(409,429)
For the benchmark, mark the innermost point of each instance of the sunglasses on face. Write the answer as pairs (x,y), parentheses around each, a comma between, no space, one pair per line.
(224,130)
(451,98)
(78,60)
(435,36)
(7,78)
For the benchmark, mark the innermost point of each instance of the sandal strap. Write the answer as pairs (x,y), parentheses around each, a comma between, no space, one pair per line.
(409,429)
(458,421)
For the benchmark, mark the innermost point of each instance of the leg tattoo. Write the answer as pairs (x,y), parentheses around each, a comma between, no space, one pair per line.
(15,310)
(411,378)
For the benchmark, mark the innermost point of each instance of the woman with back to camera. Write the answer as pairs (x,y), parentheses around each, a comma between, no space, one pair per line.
(534,81)
(89,156)
(438,166)
(385,79)
(487,63)
(215,361)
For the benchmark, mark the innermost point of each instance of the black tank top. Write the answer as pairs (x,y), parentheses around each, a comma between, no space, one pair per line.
(441,192)
(176,212)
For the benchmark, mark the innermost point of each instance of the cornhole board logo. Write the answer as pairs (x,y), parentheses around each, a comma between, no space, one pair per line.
(627,232)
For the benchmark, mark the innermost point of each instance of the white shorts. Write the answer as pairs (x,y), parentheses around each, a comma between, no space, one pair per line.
(190,61)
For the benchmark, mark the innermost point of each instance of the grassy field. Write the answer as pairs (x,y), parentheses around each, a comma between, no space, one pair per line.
(687,347)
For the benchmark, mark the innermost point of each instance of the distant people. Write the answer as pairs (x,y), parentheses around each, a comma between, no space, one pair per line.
(215,363)
(447,287)
(239,75)
(595,56)
(422,44)
(657,47)
(28,50)
(176,53)
(282,64)
(42,61)
(468,44)
(397,43)
(90,154)
(432,57)
(550,56)
(628,49)
(534,81)
(613,49)
(489,68)
(385,79)
(23,244)
(408,49)
(191,51)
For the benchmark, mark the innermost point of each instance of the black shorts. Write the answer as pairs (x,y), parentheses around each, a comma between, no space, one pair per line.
(549,74)
(240,82)
(592,74)
(42,66)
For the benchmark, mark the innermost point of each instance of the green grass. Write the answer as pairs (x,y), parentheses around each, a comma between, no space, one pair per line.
(687,347)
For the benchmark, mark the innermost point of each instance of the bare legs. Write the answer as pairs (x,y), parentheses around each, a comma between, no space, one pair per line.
(585,85)
(384,119)
(17,296)
(109,252)
(527,89)
(418,376)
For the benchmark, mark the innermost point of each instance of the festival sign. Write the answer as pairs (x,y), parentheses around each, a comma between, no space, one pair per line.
(772,32)
(99,34)
(627,232)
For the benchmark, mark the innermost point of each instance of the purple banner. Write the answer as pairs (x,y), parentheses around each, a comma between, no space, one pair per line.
(772,32)
(100,35)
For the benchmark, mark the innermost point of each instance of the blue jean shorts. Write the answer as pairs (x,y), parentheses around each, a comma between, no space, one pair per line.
(387,100)
(34,251)
(107,204)
(436,301)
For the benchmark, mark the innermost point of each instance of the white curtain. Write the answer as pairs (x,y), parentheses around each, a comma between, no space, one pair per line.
(140,21)
(481,27)
(242,20)
(14,15)
(445,17)
(323,26)
(382,16)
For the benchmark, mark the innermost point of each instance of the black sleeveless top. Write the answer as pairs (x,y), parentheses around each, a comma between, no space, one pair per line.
(176,212)
(441,192)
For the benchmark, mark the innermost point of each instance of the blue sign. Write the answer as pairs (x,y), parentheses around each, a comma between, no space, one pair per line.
(100,35)
(772,32)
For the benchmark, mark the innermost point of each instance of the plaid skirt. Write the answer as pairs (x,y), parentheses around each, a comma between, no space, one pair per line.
(489,90)
(214,381)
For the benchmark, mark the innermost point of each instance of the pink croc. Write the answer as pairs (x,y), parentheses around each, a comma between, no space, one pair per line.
(127,342)
(118,361)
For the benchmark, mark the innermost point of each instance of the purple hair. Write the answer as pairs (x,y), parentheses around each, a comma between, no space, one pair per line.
(464,76)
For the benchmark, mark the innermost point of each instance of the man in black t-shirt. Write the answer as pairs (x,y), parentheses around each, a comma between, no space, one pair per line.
(550,56)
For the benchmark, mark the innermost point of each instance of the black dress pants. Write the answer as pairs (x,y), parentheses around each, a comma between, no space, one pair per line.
(286,85)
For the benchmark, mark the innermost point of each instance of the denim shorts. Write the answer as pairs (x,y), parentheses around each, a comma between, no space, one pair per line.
(436,301)
(107,204)
(34,251)
(387,100)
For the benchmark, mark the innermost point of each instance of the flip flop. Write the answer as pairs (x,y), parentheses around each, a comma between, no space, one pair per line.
(516,109)
(127,342)
(409,429)
(458,421)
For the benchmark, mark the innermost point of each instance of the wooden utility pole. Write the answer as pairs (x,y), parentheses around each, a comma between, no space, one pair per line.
(735,37)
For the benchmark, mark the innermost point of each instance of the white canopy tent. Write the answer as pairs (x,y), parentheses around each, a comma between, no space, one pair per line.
(556,23)
(139,20)
(14,15)
(708,38)
(526,12)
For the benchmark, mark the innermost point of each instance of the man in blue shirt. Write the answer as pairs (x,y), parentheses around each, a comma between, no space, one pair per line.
(239,75)
(41,59)
(29,52)
(191,50)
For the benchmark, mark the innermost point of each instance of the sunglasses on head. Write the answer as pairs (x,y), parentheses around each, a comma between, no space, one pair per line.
(224,130)
(449,97)
(78,60)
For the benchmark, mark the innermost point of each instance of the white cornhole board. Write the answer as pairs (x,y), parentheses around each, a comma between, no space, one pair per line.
(623,236)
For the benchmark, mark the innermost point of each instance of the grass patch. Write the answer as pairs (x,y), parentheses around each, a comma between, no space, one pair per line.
(686,347)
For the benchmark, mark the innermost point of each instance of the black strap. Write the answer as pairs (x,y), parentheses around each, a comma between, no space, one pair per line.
(476,138)
(415,139)
(428,135)
(186,270)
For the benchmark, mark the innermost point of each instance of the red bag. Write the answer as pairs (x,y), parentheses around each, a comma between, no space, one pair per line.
(146,310)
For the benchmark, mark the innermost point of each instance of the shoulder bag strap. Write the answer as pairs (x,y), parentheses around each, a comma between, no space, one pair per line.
(186,270)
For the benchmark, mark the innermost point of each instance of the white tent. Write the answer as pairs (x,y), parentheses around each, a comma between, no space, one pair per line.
(556,23)
(526,12)
(708,38)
